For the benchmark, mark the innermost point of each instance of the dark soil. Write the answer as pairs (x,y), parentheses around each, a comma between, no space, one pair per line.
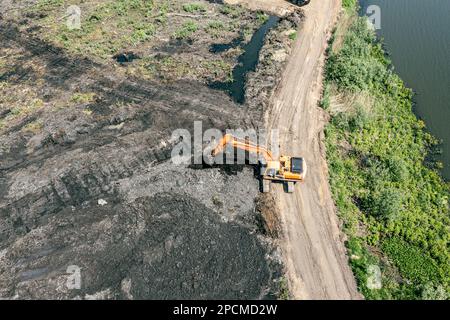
(86,179)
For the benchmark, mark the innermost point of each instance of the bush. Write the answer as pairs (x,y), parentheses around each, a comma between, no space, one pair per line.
(434,292)
(186,30)
(412,262)
(262,17)
(194,7)
(398,169)
(360,119)
(355,67)
(349,4)
(385,204)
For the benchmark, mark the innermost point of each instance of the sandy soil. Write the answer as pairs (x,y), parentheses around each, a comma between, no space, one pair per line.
(314,253)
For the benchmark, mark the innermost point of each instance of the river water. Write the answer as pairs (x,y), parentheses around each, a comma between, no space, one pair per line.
(417,36)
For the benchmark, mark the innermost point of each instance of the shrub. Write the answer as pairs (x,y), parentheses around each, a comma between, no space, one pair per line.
(349,4)
(434,292)
(194,7)
(384,204)
(262,17)
(186,30)
(413,263)
(355,67)
(142,32)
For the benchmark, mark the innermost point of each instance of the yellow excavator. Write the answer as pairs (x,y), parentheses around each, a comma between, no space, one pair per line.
(286,169)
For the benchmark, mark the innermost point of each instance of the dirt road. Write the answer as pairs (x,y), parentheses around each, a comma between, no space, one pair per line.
(313,249)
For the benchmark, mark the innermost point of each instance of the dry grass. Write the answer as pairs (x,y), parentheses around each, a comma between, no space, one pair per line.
(350,102)
(344,23)
(34,127)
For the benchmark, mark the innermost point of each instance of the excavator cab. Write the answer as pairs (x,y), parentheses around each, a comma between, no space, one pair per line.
(297,165)
(300,3)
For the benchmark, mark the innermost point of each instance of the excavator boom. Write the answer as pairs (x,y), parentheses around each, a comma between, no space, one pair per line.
(242,144)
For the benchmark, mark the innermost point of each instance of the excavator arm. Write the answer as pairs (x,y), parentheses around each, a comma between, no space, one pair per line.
(242,144)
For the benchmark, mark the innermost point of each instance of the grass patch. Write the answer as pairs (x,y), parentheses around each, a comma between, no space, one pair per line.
(215,28)
(27,108)
(43,4)
(34,127)
(412,262)
(350,4)
(195,7)
(262,17)
(82,98)
(187,30)
(293,35)
(219,70)
(142,32)
(232,11)
(106,27)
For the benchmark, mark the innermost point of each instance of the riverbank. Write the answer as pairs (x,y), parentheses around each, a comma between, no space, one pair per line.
(393,203)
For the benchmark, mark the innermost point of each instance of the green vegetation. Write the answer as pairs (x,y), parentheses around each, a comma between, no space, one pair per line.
(142,32)
(186,31)
(216,25)
(284,290)
(34,127)
(293,35)
(21,101)
(262,17)
(27,108)
(393,203)
(106,27)
(349,4)
(49,3)
(215,28)
(169,68)
(194,7)
(219,70)
(232,11)
(412,262)
(144,27)
(82,98)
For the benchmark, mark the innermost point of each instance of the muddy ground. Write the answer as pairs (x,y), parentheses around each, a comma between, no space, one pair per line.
(85,171)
